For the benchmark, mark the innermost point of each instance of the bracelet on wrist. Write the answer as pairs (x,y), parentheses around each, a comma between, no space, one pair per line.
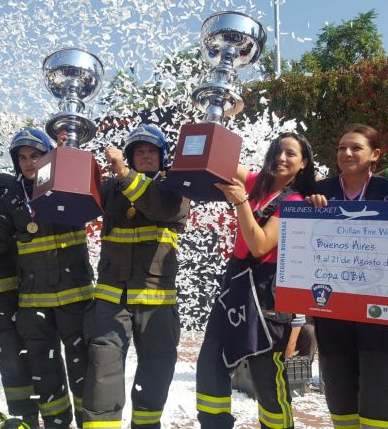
(241,202)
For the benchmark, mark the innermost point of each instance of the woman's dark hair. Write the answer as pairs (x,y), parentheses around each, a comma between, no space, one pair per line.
(373,136)
(304,180)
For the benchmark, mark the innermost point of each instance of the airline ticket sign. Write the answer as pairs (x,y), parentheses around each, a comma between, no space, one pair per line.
(333,261)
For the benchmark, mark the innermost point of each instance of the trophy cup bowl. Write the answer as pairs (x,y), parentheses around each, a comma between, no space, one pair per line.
(74,77)
(207,152)
(67,184)
(225,30)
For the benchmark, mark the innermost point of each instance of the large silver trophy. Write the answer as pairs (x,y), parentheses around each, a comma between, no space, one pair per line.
(208,152)
(67,182)
(73,76)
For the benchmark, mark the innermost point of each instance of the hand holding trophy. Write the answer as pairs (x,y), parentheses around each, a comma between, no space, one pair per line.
(208,152)
(67,183)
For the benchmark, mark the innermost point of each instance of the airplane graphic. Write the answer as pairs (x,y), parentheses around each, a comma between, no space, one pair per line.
(362,213)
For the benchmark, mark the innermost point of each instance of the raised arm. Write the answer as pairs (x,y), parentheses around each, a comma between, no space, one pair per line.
(260,240)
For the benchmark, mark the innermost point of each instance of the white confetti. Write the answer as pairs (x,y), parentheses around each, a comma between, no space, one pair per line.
(77,341)
(36,397)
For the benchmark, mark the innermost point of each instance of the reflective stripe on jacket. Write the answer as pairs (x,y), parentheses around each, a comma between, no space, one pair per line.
(8,283)
(139,241)
(53,262)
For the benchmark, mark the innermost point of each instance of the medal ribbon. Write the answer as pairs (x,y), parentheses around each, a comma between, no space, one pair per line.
(361,194)
(27,200)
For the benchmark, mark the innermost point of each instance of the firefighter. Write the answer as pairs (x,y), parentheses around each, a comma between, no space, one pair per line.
(243,323)
(135,295)
(15,374)
(55,287)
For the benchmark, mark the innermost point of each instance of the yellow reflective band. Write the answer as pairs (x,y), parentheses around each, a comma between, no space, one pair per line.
(346,425)
(102,425)
(271,420)
(346,421)
(281,390)
(18,393)
(371,423)
(8,283)
(77,403)
(151,296)
(108,293)
(56,407)
(213,404)
(142,234)
(137,188)
(51,242)
(69,296)
(146,417)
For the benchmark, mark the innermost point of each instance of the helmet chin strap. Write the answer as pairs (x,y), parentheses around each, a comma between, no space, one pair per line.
(154,175)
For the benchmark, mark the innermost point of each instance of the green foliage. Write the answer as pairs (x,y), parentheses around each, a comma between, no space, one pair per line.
(340,47)
(326,102)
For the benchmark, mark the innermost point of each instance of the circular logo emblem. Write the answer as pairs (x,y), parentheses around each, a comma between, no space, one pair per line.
(374,311)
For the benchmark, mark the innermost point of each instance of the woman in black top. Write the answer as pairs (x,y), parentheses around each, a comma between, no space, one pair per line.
(354,355)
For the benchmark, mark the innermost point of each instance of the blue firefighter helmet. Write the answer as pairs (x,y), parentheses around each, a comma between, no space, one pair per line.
(29,137)
(149,134)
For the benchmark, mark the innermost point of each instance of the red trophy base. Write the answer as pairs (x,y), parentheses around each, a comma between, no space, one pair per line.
(67,187)
(206,153)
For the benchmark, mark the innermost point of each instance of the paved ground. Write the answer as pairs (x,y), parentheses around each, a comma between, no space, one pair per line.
(310,410)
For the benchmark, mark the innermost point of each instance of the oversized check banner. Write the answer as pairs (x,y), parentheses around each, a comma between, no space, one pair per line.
(333,261)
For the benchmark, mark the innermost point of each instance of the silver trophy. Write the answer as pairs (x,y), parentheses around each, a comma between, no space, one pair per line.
(207,152)
(68,180)
(229,41)
(74,76)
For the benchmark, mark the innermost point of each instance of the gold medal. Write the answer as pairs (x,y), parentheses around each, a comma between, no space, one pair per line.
(131,213)
(32,227)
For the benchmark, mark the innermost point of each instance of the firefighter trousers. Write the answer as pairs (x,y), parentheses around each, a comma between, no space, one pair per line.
(269,377)
(109,328)
(353,357)
(14,370)
(42,330)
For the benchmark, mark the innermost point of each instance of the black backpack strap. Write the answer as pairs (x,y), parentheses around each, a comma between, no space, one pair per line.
(270,209)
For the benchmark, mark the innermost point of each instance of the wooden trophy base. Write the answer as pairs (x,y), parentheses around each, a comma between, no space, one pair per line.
(206,153)
(67,187)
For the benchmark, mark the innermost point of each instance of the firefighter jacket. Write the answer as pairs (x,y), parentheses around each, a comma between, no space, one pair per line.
(8,277)
(53,262)
(139,240)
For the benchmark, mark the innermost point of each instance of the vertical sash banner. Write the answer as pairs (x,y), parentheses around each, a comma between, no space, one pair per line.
(333,261)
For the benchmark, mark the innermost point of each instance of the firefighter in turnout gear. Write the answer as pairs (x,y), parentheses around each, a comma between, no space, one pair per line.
(15,374)
(135,295)
(55,286)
